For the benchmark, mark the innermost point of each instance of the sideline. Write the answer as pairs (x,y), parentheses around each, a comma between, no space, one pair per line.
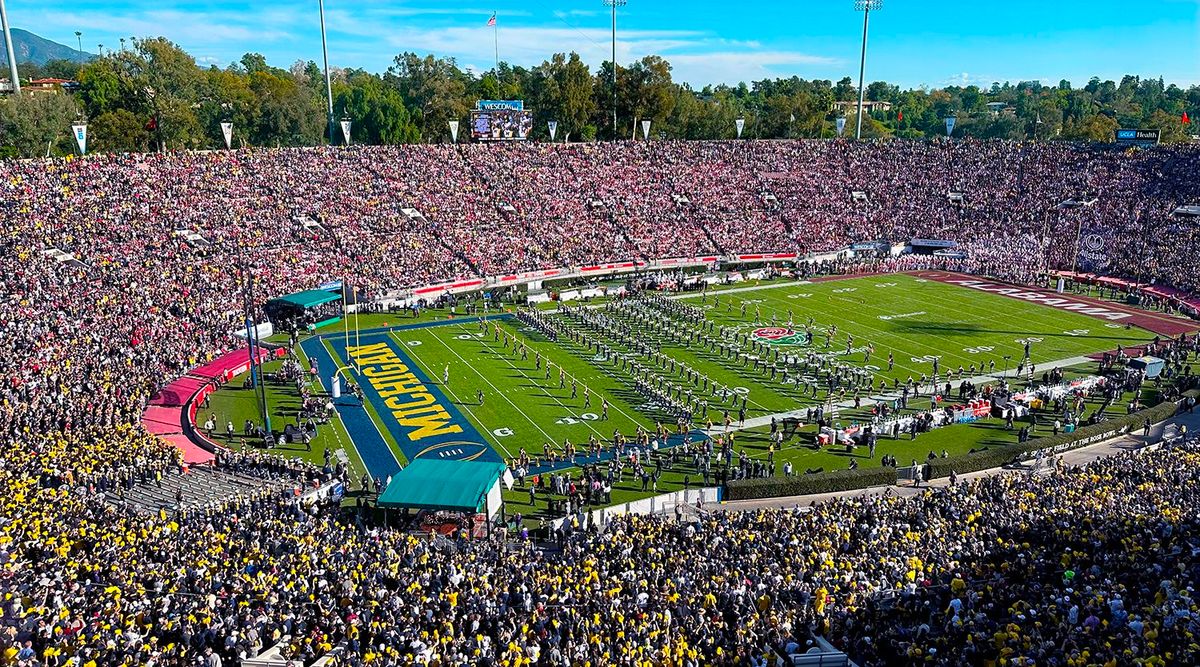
(1074,457)
(926,391)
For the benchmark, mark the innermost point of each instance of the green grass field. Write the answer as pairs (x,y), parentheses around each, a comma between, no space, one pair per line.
(913,319)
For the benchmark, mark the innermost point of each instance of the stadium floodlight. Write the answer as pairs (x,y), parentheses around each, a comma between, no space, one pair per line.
(328,85)
(864,6)
(12,57)
(614,4)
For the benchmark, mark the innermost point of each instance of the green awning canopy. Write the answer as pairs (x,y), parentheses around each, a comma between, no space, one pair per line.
(308,298)
(433,484)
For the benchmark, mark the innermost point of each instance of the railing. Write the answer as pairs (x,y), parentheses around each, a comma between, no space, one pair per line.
(272,657)
(666,502)
(594,271)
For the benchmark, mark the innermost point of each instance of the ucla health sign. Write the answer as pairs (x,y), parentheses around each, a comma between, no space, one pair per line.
(1127,137)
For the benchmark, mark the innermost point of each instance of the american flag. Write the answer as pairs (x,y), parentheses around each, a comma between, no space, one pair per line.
(492,21)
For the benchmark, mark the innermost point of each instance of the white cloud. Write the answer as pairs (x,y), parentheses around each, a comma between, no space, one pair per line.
(369,34)
(697,58)
(986,80)
(190,30)
(735,66)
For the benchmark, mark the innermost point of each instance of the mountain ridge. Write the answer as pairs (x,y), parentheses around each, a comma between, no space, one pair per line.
(31,48)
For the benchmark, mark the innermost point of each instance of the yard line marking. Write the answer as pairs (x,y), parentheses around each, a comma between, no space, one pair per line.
(605,372)
(548,391)
(699,393)
(1049,318)
(726,367)
(947,355)
(926,392)
(484,431)
(494,388)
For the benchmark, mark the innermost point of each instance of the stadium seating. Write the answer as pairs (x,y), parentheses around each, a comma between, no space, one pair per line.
(122,273)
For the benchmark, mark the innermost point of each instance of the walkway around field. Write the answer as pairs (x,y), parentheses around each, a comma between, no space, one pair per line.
(1074,457)
(737,290)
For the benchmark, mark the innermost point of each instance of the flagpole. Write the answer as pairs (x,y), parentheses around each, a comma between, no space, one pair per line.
(496,35)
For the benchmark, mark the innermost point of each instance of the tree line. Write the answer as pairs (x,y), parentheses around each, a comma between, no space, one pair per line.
(153,95)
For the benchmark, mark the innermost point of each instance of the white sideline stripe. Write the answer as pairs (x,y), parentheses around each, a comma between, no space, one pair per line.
(737,290)
(765,420)
(340,426)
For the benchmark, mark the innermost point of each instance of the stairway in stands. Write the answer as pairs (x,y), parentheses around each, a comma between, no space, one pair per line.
(202,486)
(611,219)
(692,213)
(451,248)
(497,195)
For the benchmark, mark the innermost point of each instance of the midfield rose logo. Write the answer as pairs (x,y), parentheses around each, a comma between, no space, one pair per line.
(778,336)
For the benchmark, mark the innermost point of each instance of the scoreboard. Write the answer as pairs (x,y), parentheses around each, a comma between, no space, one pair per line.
(500,120)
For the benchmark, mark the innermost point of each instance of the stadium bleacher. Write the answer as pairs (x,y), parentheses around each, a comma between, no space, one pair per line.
(111,553)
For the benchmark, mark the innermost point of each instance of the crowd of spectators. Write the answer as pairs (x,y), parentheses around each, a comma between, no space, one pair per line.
(160,248)
(1082,566)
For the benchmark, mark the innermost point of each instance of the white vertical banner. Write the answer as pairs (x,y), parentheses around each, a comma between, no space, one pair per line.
(454,131)
(740,124)
(553,127)
(227,132)
(950,120)
(841,125)
(346,131)
(646,130)
(80,132)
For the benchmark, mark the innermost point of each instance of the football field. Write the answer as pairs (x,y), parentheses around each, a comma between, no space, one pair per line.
(454,387)
(465,389)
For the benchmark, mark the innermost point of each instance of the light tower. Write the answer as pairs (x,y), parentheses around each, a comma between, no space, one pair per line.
(328,84)
(864,6)
(614,4)
(12,58)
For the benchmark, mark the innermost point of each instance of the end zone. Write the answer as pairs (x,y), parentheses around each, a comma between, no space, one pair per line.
(418,415)
(1163,325)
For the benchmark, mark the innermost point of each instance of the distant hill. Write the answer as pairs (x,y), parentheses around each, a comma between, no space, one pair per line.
(30,48)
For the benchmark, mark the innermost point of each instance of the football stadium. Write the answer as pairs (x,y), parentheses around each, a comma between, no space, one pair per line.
(574,364)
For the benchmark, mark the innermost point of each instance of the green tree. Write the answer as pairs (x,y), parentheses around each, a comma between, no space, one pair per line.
(644,92)
(1097,127)
(118,131)
(845,91)
(1171,128)
(376,110)
(991,126)
(288,113)
(225,95)
(60,69)
(562,91)
(103,88)
(434,89)
(32,124)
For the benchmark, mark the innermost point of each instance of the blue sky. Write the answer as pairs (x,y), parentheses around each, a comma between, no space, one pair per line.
(912,43)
